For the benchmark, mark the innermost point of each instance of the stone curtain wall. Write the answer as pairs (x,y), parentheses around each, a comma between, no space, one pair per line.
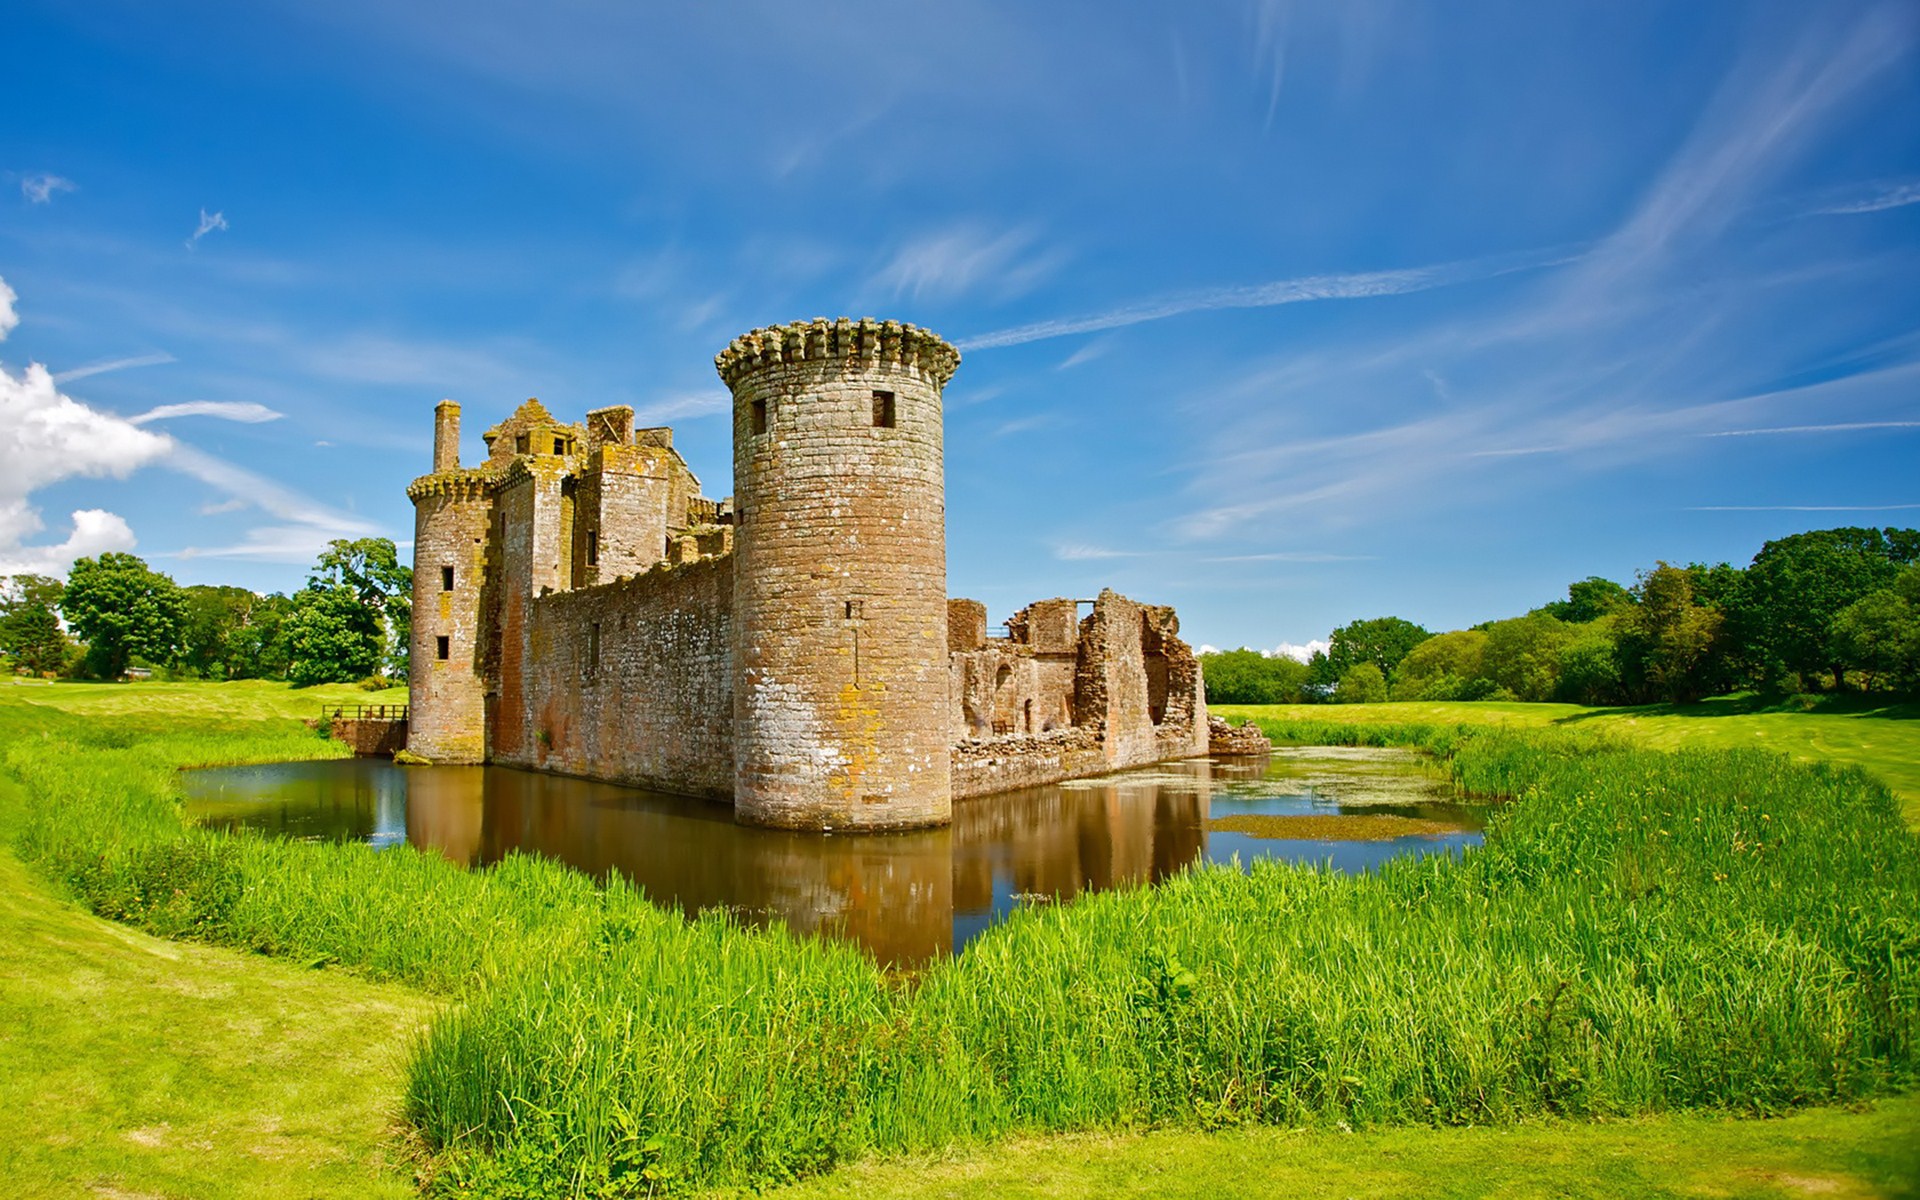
(840,633)
(631,682)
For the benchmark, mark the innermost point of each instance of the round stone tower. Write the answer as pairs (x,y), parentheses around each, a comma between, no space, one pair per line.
(446,692)
(840,575)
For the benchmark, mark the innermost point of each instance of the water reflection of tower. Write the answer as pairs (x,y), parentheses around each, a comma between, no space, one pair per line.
(445,810)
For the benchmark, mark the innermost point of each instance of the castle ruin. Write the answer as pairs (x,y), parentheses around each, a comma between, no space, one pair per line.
(579,607)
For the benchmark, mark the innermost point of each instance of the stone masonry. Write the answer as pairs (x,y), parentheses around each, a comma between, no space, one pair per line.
(581,608)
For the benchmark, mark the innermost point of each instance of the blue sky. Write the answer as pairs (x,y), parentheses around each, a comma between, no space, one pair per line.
(1285,314)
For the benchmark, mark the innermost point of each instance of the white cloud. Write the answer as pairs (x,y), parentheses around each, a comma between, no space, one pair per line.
(113,364)
(95,532)
(1842,427)
(693,404)
(46,437)
(1086,354)
(1281,291)
(967,258)
(209,222)
(8,317)
(1802,507)
(1079,551)
(42,188)
(1301,652)
(1897,195)
(227,410)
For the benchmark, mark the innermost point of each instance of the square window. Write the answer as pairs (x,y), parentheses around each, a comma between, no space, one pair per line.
(559,446)
(446,579)
(883,410)
(442,646)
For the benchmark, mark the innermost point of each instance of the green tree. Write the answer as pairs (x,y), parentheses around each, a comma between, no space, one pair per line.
(1879,635)
(371,569)
(1362,683)
(370,572)
(1797,585)
(1668,638)
(122,609)
(1590,665)
(1588,600)
(1447,666)
(1382,641)
(331,637)
(1250,677)
(1523,655)
(30,632)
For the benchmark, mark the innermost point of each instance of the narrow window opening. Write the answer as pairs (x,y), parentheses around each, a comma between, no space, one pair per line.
(759,416)
(442,647)
(883,410)
(446,579)
(593,547)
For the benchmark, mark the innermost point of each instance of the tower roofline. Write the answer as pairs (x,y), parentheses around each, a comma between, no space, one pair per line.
(843,340)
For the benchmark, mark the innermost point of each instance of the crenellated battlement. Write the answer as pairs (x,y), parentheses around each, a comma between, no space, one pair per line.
(841,341)
(461,483)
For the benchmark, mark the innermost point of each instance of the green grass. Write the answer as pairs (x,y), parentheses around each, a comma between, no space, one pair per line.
(1839,1153)
(1883,739)
(246,700)
(137,1066)
(1644,933)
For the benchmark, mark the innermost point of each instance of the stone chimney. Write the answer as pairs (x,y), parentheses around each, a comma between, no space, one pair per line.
(446,436)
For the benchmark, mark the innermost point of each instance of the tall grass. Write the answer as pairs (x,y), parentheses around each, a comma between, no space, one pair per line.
(1641,932)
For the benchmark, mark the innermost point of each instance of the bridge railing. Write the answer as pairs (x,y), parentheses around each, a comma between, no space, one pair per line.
(363,712)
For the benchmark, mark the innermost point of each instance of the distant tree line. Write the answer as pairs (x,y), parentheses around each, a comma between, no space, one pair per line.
(351,621)
(1826,611)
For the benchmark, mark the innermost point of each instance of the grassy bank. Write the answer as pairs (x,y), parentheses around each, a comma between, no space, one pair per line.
(1643,933)
(1869,1152)
(142,1067)
(1882,739)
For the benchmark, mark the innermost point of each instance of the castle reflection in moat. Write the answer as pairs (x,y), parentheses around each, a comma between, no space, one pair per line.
(908,897)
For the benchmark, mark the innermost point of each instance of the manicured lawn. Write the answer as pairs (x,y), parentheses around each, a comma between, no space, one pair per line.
(132,1066)
(251,699)
(1882,738)
(1837,1153)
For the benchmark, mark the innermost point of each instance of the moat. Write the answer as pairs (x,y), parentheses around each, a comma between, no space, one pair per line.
(908,897)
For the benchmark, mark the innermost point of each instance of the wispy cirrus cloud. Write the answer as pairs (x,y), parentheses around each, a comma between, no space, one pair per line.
(243,411)
(209,223)
(692,405)
(965,259)
(1355,286)
(43,187)
(1838,427)
(1879,199)
(113,364)
(1084,552)
(1806,508)
(1592,367)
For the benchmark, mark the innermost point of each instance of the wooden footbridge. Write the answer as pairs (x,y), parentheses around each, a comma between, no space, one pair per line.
(372,730)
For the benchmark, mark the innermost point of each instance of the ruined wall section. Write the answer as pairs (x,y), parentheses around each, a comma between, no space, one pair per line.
(1110,681)
(632,681)
(622,513)
(452,518)
(841,675)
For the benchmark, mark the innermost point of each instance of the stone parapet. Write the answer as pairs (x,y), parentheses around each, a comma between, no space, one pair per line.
(862,344)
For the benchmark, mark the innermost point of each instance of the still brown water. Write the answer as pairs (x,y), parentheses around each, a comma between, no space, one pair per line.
(906,896)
